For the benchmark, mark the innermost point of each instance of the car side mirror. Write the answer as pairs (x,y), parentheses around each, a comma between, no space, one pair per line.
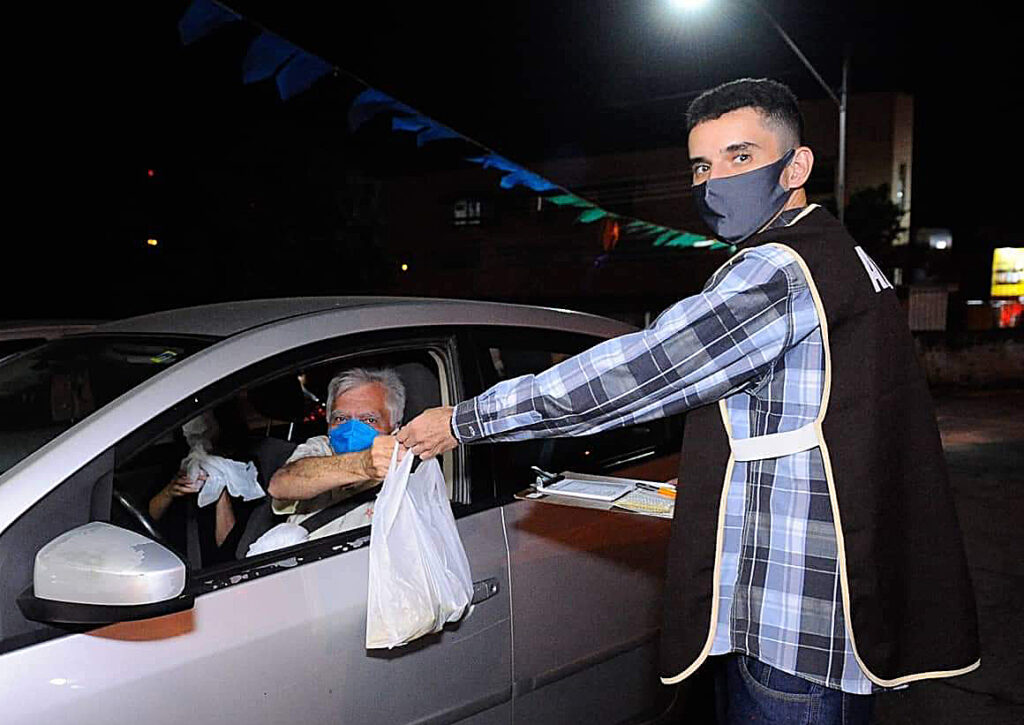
(99,574)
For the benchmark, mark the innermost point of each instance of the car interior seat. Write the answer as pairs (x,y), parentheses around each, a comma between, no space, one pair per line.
(422,388)
(281,401)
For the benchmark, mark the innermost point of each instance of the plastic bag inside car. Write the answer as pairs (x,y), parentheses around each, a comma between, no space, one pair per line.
(419,576)
(278,537)
(240,479)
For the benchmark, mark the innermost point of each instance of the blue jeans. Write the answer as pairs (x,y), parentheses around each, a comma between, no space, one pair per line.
(748,691)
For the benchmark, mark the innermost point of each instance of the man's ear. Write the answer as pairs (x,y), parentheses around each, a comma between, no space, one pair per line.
(799,170)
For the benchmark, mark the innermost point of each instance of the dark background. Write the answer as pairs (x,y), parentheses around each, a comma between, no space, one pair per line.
(104,92)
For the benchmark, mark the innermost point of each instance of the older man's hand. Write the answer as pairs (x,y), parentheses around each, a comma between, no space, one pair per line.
(377,458)
(429,434)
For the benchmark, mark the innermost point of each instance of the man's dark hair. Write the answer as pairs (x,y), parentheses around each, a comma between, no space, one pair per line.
(772,99)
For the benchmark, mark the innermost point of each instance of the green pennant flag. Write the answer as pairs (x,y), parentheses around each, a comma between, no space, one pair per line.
(592,215)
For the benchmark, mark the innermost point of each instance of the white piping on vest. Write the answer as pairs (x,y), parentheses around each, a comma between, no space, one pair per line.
(775,445)
(807,210)
(833,499)
(717,576)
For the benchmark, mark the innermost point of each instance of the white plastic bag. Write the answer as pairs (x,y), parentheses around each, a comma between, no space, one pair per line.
(278,537)
(419,575)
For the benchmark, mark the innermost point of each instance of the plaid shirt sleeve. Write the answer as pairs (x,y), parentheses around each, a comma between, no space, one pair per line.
(701,349)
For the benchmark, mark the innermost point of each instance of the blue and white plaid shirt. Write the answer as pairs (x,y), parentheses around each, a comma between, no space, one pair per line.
(753,330)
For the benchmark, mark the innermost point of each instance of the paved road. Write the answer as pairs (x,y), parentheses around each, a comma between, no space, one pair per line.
(983,436)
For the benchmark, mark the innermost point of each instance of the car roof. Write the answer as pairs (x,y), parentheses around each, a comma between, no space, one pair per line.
(231,318)
(44,329)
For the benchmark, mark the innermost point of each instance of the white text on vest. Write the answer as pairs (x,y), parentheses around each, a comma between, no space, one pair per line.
(878,280)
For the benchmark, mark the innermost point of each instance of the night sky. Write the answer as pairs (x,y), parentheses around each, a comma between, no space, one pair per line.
(106,92)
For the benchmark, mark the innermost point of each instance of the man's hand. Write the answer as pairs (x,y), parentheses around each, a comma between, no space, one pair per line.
(429,434)
(377,458)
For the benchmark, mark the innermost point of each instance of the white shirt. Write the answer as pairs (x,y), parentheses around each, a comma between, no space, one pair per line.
(300,510)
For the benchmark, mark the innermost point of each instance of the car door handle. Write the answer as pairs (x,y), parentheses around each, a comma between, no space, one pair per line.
(484,589)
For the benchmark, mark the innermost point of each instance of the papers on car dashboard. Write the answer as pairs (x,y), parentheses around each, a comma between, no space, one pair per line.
(650,503)
(606,490)
(605,493)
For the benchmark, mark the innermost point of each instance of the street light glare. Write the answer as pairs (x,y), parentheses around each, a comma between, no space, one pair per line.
(688,4)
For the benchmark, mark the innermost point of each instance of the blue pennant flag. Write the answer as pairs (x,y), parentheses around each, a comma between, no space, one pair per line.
(302,71)
(493,161)
(409,123)
(435,132)
(530,180)
(266,55)
(203,17)
(516,176)
(371,103)
(426,129)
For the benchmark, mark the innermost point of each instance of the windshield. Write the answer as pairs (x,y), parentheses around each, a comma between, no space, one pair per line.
(45,391)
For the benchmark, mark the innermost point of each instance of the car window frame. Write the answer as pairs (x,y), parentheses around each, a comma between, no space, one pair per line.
(474,342)
(441,340)
(199,343)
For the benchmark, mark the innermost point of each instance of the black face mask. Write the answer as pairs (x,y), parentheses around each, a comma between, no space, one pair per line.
(736,207)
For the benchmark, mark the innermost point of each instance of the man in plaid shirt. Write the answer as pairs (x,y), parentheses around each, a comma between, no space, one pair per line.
(753,339)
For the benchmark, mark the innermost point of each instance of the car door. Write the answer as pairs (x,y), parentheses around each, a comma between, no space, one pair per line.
(586,585)
(278,638)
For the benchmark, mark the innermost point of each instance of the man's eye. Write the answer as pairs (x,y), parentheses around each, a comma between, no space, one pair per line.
(741,158)
(369,419)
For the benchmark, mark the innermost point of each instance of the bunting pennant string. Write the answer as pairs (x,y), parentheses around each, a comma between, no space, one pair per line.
(267,54)
(436,132)
(371,103)
(295,70)
(426,129)
(568,200)
(301,72)
(515,175)
(591,215)
(203,17)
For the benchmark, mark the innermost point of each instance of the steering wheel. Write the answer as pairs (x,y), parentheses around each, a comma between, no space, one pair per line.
(141,518)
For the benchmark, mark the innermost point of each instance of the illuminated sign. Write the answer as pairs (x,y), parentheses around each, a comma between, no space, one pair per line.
(1008,272)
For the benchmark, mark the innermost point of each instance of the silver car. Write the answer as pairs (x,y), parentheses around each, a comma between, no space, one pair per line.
(567,600)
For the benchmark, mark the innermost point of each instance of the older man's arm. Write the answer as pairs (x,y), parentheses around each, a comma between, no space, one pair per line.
(309,477)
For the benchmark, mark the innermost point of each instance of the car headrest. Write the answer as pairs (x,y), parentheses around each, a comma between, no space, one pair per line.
(269,454)
(422,389)
(280,399)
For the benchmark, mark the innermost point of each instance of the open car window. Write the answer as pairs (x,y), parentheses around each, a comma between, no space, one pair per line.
(46,390)
(260,423)
(645,450)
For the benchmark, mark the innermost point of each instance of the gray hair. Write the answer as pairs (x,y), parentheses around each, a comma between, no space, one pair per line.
(394,389)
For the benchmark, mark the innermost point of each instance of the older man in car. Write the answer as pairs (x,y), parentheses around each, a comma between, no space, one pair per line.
(365,407)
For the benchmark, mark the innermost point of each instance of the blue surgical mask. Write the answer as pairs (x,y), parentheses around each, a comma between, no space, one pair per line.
(352,435)
(736,207)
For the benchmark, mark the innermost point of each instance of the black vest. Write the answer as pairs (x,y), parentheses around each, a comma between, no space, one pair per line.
(907,594)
